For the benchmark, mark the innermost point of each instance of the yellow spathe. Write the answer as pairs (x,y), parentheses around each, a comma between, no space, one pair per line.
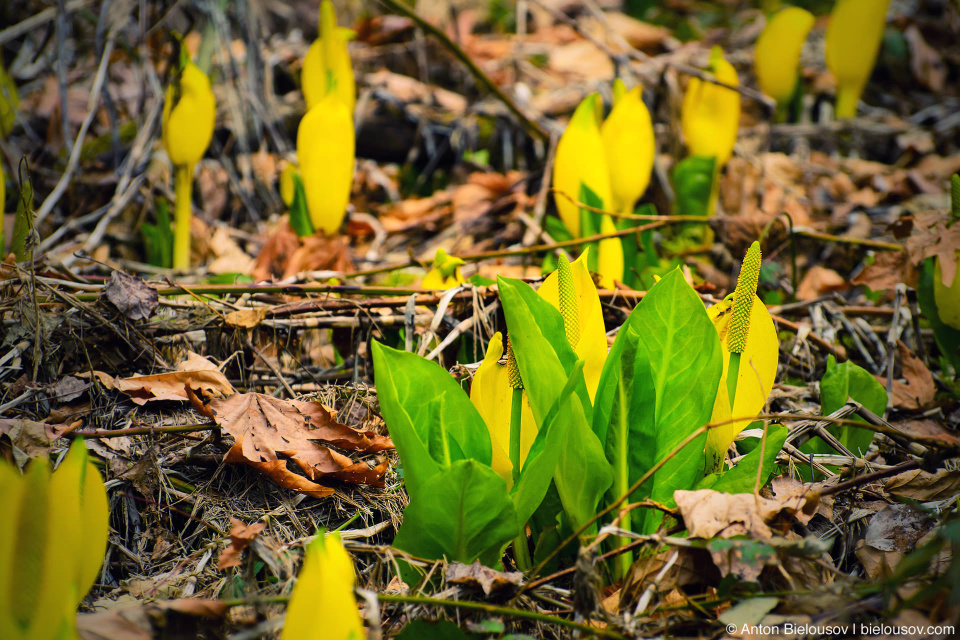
(313,74)
(777,53)
(444,272)
(628,140)
(492,396)
(322,606)
(52,545)
(853,38)
(580,158)
(758,370)
(189,115)
(286,182)
(325,151)
(711,113)
(592,345)
(947,298)
(610,255)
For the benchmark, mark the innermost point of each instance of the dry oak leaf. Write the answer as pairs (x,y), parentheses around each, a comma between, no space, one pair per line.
(241,535)
(932,236)
(709,514)
(924,486)
(284,254)
(133,297)
(170,386)
(918,390)
(478,576)
(264,426)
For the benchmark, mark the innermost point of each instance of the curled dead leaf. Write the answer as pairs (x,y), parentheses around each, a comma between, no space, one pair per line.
(265,428)
(241,535)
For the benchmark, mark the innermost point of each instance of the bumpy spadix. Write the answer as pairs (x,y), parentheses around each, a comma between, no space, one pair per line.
(758,356)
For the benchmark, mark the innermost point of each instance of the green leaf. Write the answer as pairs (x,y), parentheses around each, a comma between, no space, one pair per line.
(947,337)
(420,629)
(462,513)
(842,381)
(658,386)
(300,220)
(158,238)
(544,454)
(20,245)
(693,182)
(432,422)
(742,477)
(546,361)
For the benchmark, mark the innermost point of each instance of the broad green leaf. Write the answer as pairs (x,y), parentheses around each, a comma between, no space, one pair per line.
(544,454)
(431,420)
(842,381)
(462,513)
(322,605)
(658,387)
(742,477)
(693,183)
(546,361)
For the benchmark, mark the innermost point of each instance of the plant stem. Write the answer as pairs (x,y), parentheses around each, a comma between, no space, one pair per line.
(521,554)
(516,407)
(847,99)
(183,189)
(502,611)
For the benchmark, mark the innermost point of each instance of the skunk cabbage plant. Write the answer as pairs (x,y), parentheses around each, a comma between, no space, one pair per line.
(189,115)
(853,38)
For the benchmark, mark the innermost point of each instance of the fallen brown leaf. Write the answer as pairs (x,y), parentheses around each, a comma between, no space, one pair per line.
(167,386)
(932,236)
(917,390)
(133,297)
(241,535)
(264,426)
(190,616)
(923,485)
(892,532)
(478,576)
(818,281)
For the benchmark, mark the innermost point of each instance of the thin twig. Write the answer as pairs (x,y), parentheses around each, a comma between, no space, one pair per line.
(55,195)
